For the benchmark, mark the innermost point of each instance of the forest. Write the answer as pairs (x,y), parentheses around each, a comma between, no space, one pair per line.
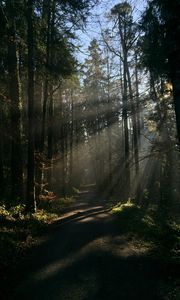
(90,149)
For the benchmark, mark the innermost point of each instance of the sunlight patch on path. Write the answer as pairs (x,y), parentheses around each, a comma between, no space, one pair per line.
(117,246)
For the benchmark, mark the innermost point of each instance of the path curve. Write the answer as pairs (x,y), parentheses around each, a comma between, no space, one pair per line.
(85,258)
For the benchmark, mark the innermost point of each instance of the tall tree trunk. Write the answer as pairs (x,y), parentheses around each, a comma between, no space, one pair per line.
(137,96)
(30,203)
(125,92)
(62,140)
(50,123)
(109,124)
(45,100)
(71,142)
(1,149)
(134,121)
(126,133)
(15,109)
(51,100)
(38,114)
(125,114)
(47,14)
(125,106)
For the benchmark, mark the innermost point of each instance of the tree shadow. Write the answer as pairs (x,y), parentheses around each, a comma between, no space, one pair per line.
(99,275)
(79,261)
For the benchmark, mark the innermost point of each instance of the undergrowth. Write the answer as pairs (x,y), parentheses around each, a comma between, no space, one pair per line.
(20,231)
(157,231)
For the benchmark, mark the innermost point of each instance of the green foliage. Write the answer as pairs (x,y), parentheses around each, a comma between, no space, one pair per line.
(55,206)
(95,77)
(19,231)
(13,212)
(151,226)
(160,43)
(150,229)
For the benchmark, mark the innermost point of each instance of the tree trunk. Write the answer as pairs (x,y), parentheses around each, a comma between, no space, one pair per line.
(50,124)
(125,106)
(51,102)
(47,14)
(126,135)
(1,151)
(38,114)
(134,121)
(137,97)
(15,110)
(109,125)
(30,202)
(71,143)
(125,115)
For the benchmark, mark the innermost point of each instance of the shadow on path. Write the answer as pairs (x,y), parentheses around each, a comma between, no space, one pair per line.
(85,257)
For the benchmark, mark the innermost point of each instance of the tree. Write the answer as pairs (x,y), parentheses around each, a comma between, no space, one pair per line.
(94,83)
(31,204)
(1,148)
(161,45)
(15,104)
(126,32)
(60,18)
(36,55)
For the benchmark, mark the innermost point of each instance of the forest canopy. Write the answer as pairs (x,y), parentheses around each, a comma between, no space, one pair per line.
(51,103)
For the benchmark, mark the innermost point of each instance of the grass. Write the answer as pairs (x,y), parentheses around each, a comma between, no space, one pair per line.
(157,232)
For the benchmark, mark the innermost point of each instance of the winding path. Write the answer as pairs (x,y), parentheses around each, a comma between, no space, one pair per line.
(85,257)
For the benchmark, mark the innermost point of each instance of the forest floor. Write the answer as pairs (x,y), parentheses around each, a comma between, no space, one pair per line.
(95,252)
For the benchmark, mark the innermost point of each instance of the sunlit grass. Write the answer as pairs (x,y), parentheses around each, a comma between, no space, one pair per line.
(121,207)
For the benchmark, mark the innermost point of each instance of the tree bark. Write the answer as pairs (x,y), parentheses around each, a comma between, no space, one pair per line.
(30,201)
(50,124)
(1,151)
(47,14)
(137,96)
(15,111)
(71,142)
(134,121)
(109,124)
(51,100)
(38,113)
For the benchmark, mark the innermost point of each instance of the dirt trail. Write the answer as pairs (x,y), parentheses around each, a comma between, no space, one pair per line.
(85,257)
